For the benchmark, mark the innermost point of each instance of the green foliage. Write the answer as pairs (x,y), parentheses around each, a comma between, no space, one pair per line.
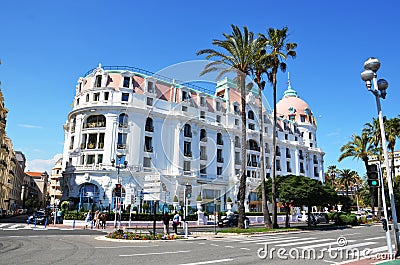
(175,198)
(65,206)
(300,190)
(342,218)
(229,199)
(198,198)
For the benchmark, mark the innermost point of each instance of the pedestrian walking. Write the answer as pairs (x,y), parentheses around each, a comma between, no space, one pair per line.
(97,219)
(165,220)
(88,219)
(175,222)
(59,216)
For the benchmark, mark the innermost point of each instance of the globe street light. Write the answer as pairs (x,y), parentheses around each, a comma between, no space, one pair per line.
(371,66)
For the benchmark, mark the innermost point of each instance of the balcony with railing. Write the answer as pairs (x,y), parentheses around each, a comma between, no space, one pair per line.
(220,160)
(148,149)
(203,157)
(188,153)
(149,128)
(88,125)
(122,146)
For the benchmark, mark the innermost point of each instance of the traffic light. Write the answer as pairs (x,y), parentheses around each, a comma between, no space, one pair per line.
(118,190)
(384,224)
(188,191)
(372,173)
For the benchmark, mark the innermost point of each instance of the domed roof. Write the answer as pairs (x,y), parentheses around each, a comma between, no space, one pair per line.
(293,108)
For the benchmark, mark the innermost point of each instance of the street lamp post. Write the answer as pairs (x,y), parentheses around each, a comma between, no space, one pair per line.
(371,66)
(118,199)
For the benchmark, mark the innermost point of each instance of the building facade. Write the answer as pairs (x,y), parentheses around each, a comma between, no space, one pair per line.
(155,137)
(11,169)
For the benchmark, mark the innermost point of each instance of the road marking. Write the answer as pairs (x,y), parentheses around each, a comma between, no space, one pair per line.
(229,247)
(155,253)
(323,244)
(14,226)
(202,243)
(1,225)
(286,240)
(215,245)
(245,248)
(207,262)
(373,238)
(299,243)
(273,240)
(131,246)
(354,246)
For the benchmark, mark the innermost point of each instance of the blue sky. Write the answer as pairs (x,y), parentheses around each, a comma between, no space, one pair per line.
(45,46)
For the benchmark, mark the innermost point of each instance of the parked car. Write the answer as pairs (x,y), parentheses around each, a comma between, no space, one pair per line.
(38,216)
(231,220)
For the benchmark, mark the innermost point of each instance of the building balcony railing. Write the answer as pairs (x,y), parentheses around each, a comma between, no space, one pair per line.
(123,125)
(203,157)
(188,134)
(148,149)
(188,154)
(220,159)
(87,125)
(220,142)
(203,139)
(238,162)
(149,128)
(121,146)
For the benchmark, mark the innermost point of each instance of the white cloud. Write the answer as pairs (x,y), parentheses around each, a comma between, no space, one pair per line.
(41,165)
(30,126)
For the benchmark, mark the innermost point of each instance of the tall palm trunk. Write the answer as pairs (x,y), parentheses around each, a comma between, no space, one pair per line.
(242,184)
(264,197)
(273,169)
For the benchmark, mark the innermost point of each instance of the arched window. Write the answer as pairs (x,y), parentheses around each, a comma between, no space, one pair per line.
(94,121)
(219,139)
(253,145)
(250,115)
(188,130)
(88,196)
(149,125)
(203,135)
(123,120)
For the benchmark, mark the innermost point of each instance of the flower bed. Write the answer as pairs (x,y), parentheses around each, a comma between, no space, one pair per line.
(120,234)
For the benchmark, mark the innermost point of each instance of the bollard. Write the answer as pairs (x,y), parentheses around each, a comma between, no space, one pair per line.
(91,225)
(45,223)
(73,224)
(34,222)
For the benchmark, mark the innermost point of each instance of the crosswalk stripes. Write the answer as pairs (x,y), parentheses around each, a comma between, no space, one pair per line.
(304,243)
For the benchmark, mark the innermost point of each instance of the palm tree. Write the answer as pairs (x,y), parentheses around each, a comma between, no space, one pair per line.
(279,50)
(330,175)
(392,130)
(347,178)
(236,55)
(373,130)
(260,67)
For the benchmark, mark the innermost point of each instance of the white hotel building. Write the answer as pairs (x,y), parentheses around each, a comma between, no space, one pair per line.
(170,135)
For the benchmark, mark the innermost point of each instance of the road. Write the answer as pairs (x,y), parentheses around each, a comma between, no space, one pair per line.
(20,244)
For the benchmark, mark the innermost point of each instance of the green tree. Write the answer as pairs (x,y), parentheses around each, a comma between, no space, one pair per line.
(279,50)
(236,55)
(360,147)
(330,175)
(392,129)
(300,191)
(347,178)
